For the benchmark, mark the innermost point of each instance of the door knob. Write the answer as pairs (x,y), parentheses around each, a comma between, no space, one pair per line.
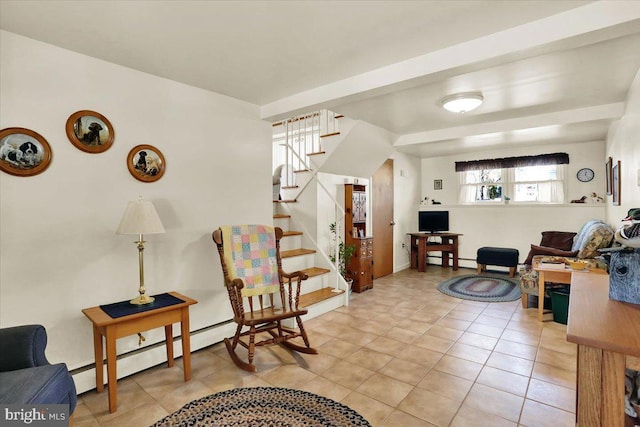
(392,223)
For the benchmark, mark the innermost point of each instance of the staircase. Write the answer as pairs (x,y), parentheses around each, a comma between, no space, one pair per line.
(298,146)
(325,143)
(317,295)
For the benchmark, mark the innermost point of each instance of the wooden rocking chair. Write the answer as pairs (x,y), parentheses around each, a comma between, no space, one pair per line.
(252,267)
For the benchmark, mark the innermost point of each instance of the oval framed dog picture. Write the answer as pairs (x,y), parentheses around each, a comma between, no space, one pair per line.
(146,163)
(23,152)
(90,131)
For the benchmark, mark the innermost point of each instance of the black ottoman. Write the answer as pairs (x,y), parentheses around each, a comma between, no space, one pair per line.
(504,257)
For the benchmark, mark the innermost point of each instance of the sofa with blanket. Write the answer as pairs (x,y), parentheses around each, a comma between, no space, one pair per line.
(594,234)
(26,376)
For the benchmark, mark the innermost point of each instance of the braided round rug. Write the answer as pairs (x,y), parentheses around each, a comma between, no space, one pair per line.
(263,406)
(481,288)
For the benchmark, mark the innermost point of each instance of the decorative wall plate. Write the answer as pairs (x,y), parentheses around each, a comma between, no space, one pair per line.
(90,131)
(23,152)
(146,163)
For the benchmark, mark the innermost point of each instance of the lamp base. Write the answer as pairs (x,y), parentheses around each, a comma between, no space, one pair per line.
(142,299)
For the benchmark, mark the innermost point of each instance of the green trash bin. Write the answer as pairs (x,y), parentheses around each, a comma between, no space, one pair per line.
(560,305)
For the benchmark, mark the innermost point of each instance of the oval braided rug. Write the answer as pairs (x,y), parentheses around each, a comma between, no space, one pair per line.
(481,288)
(263,406)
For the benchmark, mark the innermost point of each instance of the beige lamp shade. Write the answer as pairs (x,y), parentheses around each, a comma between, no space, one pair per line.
(140,217)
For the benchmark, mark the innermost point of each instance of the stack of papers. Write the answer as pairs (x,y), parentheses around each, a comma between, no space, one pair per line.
(552,265)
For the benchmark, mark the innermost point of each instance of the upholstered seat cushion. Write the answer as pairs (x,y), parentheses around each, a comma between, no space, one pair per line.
(550,251)
(25,374)
(51,384)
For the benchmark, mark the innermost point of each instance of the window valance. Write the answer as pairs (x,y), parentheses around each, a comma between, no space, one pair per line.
(514,162)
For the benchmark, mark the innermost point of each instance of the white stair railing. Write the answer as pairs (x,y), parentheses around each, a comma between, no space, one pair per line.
(297,138)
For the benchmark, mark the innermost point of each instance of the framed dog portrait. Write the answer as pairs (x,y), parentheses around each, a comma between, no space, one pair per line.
(89,131)
(437,184)
(146,163)
(23,152)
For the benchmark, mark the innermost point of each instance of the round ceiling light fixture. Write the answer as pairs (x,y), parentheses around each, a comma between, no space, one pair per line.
(462,102)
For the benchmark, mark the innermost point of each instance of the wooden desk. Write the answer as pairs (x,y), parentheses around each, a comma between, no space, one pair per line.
(606,331)
(112,329)
(562,276)
(420,246)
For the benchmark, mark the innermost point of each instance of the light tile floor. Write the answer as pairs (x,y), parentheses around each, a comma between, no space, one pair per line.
(402,354)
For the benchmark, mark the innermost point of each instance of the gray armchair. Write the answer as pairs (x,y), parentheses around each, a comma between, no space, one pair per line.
(26,376)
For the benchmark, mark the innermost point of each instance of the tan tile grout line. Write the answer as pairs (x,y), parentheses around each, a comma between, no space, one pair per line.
(513,310)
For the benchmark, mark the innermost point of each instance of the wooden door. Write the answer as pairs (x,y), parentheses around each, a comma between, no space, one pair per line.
(382,219)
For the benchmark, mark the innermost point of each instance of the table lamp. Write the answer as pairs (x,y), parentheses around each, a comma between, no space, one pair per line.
(140,218)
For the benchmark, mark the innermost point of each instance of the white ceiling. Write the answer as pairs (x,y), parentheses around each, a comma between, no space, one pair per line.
(550,71)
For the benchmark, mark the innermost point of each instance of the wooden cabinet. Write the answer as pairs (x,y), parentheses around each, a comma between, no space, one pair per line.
(361,266)
(360,269)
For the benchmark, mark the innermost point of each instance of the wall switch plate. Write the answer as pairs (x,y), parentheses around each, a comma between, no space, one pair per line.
(638,177)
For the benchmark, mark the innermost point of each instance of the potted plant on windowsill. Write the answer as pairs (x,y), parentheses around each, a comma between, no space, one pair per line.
(345,253)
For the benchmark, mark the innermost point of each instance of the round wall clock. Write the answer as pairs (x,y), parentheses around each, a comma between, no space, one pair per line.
(585,175)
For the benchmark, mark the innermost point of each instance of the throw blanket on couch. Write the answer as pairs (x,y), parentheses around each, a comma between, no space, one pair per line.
(593,235)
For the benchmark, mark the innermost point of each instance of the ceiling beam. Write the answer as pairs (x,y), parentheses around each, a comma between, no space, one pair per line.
(582,21)
(577,115)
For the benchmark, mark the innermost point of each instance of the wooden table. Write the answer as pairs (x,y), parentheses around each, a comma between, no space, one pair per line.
(114,328)
(562,276)
(420,246)
(607,333)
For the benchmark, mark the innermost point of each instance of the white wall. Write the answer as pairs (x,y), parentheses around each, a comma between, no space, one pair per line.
(512,226)
(581,155)
(59,252)
(515,226)
(623,143)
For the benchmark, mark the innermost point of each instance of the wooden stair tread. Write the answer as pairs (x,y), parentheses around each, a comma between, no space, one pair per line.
(296,252)
(315,271)
(301,170)
(329,134)
(317,153)
(289,187)
(317,296)
(338,116)
(285,201)
(281,216)
(291,233)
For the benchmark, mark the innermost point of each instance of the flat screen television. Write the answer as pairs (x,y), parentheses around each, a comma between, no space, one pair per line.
(433,221)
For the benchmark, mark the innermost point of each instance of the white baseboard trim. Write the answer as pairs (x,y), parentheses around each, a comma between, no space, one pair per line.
(401,267)
(129,364)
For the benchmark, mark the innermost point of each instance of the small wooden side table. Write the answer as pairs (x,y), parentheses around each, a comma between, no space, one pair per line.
(114,328)
(562,276)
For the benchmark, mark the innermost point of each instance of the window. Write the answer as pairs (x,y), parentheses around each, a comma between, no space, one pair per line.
(484,185)
(527,184)
(543,184)
(532,179)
